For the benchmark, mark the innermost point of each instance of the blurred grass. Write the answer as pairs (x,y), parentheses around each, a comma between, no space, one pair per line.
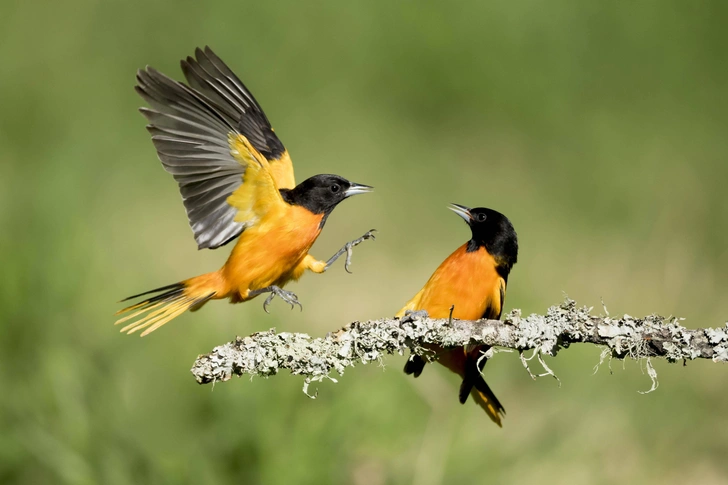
(598,127)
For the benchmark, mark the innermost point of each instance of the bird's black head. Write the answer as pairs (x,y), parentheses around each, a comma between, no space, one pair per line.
(321,193)
(492,230)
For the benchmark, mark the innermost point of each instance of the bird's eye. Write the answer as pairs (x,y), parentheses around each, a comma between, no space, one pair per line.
(481,217)
(335,188)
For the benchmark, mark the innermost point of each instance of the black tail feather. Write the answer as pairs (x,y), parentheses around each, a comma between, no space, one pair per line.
(474,378)
(175,286)
(156,311)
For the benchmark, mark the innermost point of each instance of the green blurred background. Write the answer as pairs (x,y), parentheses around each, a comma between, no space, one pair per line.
(598,127)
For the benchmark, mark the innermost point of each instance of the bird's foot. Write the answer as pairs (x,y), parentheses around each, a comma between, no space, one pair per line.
(287,296)
(348,250)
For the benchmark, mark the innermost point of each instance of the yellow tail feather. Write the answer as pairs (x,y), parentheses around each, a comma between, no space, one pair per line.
(160,309)
(488,406)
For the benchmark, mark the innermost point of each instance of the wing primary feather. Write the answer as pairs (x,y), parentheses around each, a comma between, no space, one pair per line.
(192,126)
(215,89)
(214,60)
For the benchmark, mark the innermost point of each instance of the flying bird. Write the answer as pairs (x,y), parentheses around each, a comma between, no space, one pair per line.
(470,284)
(236,180)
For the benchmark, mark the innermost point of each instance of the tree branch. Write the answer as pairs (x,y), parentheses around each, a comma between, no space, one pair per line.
(266,353)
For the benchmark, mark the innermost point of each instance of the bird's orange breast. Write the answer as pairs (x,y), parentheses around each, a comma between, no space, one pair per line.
(467,280)
(270,252)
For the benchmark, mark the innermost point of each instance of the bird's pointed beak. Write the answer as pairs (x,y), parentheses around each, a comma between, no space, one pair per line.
(355,189)
(462,211)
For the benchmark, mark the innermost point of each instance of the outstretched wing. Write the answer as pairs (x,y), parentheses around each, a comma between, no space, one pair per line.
(193,128)
(208,74)
(258,195)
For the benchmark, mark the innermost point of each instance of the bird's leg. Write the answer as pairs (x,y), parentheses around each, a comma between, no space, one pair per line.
(348,250)
(287,296)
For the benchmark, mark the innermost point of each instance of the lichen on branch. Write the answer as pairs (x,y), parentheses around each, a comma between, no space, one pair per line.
(267,353)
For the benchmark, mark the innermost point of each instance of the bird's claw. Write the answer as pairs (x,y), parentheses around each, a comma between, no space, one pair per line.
(350,245)
(287,296)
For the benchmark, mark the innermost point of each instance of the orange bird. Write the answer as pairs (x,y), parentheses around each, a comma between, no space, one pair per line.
(470,284)
(236,180)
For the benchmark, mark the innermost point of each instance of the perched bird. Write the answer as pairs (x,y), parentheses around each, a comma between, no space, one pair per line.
(470,284)
(236,180)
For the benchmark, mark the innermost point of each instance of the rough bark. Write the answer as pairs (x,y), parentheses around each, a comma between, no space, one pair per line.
(267,353)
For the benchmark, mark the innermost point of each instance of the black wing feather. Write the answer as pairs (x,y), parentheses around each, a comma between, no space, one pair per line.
(208,74)
(190,127)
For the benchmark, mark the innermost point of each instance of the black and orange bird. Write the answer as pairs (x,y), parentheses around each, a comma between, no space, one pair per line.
(470,284)
(236,180)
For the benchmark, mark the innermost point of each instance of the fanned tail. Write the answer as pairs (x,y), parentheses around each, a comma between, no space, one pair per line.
(169,302)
